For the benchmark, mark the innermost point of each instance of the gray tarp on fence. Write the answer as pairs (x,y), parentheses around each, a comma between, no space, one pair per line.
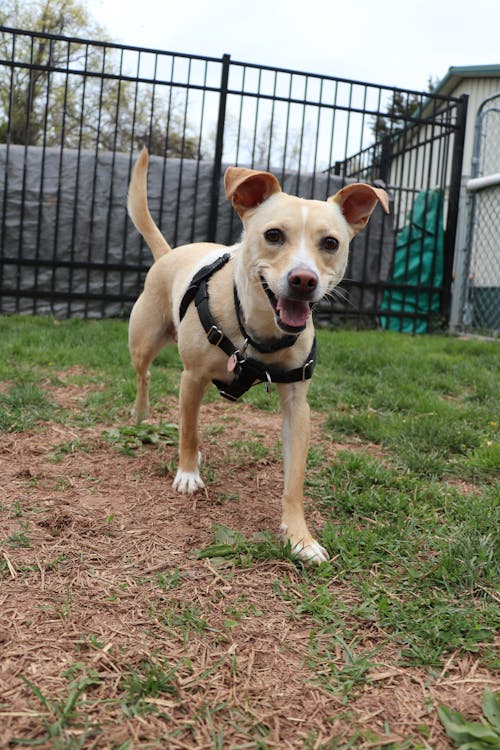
(68,244)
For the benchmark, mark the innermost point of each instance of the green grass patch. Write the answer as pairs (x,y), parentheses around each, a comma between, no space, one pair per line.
(37,349)
(433,400)
(424,558)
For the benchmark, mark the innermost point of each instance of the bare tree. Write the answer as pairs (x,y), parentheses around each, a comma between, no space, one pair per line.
(42,103)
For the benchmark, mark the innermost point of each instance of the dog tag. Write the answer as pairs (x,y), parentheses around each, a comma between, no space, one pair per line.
(231,363)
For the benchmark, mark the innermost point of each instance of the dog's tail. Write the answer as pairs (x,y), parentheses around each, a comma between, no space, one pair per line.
(138,208)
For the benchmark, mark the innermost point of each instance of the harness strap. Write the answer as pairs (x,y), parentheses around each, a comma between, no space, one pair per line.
(203,273)
(247,371)
(214,334)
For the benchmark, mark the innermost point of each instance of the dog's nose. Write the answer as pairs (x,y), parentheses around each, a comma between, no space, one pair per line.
(303,280)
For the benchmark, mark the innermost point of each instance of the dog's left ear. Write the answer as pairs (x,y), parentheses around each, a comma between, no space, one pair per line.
(248,188)
(357,202)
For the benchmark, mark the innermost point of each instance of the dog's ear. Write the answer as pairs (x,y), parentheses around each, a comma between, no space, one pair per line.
(357,202)
(248,188)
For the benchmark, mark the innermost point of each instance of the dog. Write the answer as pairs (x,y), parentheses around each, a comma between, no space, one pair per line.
(241,315)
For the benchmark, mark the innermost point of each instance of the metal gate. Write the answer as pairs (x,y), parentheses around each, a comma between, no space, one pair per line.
(481,308)
(74,112)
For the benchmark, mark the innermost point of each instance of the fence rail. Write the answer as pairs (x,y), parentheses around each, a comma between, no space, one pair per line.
(74,113)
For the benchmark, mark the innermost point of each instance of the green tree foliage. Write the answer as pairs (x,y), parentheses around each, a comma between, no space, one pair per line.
(402,107)
(42,104)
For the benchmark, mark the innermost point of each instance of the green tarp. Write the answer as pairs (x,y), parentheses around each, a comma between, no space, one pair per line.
(418,262)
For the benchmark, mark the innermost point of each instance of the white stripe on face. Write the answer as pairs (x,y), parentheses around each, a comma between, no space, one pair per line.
(302,256)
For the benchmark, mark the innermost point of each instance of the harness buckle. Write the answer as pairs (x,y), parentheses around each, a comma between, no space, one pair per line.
(215,335)
(306,370)
(227,395)
(268,382)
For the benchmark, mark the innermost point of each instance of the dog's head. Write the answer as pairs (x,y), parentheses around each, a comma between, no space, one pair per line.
(294,251)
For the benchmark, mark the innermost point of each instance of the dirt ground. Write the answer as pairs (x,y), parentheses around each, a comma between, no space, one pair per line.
(84,598)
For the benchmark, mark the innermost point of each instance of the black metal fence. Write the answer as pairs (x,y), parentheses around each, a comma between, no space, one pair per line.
(74,113)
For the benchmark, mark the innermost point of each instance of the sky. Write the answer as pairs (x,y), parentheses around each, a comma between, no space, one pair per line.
(390,42)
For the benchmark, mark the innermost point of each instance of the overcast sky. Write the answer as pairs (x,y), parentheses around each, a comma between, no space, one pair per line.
(390,42)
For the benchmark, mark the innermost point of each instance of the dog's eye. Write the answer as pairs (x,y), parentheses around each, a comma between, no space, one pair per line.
(274,236)
(330,244)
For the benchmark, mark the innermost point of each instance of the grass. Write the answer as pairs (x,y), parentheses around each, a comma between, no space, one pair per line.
(62,717)
(411,503)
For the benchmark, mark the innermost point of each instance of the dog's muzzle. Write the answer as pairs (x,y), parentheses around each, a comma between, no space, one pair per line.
(291,313)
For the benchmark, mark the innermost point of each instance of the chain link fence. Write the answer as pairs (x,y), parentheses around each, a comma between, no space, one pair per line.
(481,308)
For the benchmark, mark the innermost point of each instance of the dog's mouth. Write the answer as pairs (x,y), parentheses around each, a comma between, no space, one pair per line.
(291,314)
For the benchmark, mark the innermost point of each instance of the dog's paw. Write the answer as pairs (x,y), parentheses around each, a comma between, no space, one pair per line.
(306,549)
(310,553)
(187,482)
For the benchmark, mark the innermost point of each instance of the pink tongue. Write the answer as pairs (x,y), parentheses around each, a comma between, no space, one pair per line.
(293,312)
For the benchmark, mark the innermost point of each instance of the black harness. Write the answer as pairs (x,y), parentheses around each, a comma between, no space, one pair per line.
(246,370)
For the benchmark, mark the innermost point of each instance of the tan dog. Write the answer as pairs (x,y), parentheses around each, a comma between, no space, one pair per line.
(258,301)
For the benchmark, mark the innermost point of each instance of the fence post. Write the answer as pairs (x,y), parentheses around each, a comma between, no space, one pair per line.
(219,145)
(453,207)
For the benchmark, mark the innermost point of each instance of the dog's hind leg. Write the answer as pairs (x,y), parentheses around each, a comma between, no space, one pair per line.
(147,335)
(296,434)
(191,392)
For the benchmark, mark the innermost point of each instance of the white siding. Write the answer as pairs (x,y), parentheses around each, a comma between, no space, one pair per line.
(478,90)
(418,166)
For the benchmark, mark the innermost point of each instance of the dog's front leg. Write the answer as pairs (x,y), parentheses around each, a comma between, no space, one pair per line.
(296,433)
(191,393)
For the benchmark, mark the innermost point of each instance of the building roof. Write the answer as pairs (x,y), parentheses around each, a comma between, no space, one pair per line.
(455,74)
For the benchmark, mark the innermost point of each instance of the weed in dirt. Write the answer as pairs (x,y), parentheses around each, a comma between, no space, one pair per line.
(129,438)
(319,603)
(249,450)
(17,509)
(340,667)
(65,723)
(20,537)
(231,545)
(180,618)
(228,497)
(170,579)
(222,718)
(241,610)
(473,735)
(151,679)
(69,448)
(96,643)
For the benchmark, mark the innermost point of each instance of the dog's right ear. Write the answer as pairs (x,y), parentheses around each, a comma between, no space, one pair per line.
(248,188)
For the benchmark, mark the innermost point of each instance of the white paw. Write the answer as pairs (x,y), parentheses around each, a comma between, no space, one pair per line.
(310,553)
(187,481)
